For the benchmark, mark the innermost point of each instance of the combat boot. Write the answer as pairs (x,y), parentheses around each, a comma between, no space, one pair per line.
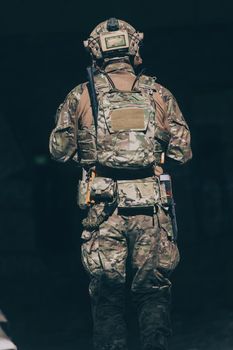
(160,342)
(113,347)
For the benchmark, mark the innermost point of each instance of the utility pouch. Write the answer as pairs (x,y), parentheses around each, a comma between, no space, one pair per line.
(103,189)
(82,194)
(140,193)
(86,139)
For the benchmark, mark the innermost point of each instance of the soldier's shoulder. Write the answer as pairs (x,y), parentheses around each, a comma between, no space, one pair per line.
(161,90)
(147,81)
(77,91)
(152,83)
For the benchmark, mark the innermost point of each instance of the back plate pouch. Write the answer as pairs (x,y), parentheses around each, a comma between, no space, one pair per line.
(126,128)
(141,193)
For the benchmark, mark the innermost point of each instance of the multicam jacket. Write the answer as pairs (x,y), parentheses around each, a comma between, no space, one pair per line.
(76,114)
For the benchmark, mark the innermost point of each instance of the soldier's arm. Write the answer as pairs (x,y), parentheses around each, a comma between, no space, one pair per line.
(179,145)
(63,141)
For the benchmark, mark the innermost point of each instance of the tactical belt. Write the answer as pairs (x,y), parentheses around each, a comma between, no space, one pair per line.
(124,174)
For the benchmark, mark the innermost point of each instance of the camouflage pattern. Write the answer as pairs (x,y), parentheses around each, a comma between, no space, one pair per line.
(116,245)
(173,129)
(178,147)
(139,246)
(97,214)
(125,148)
(141,193)
(86,140)
(82,194)
(103,189)
(62,143)
(93,43)
(138,193)
(102,28)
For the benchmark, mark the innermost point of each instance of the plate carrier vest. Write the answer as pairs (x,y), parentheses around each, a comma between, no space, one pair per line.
(126,126)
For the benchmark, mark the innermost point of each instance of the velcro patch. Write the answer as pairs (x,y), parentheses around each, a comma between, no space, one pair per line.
(128,119)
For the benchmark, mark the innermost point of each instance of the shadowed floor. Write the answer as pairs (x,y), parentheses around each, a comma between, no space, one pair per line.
(51,311)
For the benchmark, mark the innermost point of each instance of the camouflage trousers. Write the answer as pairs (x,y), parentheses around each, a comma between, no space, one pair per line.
(142,243)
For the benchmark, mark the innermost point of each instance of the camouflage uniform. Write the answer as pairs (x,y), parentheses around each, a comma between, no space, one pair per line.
(141,241)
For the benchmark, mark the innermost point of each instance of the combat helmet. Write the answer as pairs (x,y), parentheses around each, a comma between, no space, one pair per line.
(114,38)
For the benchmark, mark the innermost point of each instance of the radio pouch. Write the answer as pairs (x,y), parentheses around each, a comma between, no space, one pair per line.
(103,189)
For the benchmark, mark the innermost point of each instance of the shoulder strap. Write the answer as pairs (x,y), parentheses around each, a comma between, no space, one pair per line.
(137,79)
(92,94)
(103,82)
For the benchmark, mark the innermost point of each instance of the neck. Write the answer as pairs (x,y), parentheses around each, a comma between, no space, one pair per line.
(116,64)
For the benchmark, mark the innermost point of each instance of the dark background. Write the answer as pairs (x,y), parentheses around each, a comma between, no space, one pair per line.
(43,288)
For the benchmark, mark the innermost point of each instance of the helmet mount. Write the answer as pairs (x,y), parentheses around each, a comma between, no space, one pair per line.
(112,24)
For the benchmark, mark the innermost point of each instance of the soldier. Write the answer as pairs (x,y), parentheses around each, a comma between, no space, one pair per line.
(121,128)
